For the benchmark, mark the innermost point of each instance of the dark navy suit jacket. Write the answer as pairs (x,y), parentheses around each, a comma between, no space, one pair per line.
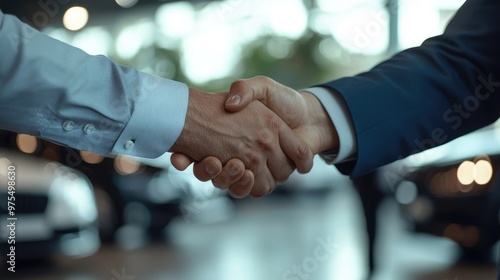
(428,95)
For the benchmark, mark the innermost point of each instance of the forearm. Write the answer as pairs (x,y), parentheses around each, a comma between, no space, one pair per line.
(58,92)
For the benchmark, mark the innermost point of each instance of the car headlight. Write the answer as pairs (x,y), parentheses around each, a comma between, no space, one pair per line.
(468,178)
(480,172)
(71,200)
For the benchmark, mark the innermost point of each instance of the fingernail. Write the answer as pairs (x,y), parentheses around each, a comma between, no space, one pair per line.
(233,100)
(233,171)
(245,181)
(211,169)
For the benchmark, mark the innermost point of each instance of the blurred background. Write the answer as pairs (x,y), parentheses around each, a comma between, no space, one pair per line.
(434,215)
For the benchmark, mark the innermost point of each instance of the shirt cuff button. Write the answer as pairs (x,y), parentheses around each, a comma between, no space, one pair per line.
(68,125)
(129,144)
(88,129)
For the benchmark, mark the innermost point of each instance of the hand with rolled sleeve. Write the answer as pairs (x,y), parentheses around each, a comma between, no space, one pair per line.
(60,93)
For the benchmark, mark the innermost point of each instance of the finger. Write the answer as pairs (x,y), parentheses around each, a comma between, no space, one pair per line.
(243,92)
(264,180)
(261,189)
(271,190)
(231,172)
(278,163)
(243,186)
(296,149)
(287,103)
(281,168)
(207,169)
(180,161)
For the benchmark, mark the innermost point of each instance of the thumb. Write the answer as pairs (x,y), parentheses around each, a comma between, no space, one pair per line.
(287,103)
(243,92)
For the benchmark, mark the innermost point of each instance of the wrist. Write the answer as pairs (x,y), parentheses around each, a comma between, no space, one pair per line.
(323,127)
(190,141)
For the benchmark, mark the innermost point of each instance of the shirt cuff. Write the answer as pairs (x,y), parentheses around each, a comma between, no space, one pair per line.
(157,119)
(338,112)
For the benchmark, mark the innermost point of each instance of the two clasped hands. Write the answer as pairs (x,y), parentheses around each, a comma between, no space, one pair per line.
(254,136)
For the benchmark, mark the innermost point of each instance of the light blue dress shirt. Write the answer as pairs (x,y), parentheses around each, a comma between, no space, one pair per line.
(60,93)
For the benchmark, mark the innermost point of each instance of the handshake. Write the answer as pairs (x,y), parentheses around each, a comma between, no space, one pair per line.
(254,136)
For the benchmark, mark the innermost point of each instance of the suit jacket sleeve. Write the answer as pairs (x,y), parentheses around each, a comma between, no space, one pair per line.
(60,93)
(429,95)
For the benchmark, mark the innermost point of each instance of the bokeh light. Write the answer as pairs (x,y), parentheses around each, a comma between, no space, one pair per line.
(126,3)
(27,143)
(418,20)
(406,192)
(4,165)
(91,158)
(87,38)
(175,19)
(480,172)
(134,37)
(465,173)
(484,172)
(75,18)
(126,165)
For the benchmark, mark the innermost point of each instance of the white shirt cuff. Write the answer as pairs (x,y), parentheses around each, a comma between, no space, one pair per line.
(157,120)
(337,110)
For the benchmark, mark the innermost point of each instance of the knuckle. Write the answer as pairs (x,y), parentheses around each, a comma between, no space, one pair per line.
(303,151)
(263,79)
(275,123)
(264,138)
(254,161)
(239,85)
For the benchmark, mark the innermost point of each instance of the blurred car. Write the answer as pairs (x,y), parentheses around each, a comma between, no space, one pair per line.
(453,191)
(146,194)
(150,195)
(54,205)
(187,197)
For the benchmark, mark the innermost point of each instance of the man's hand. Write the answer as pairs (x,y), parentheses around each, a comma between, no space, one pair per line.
(257,137)
(301,111)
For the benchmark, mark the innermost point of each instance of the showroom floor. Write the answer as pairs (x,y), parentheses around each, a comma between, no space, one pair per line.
(293,237)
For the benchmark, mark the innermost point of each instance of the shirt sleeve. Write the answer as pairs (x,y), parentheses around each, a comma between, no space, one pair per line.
(60,93)
(337,110)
